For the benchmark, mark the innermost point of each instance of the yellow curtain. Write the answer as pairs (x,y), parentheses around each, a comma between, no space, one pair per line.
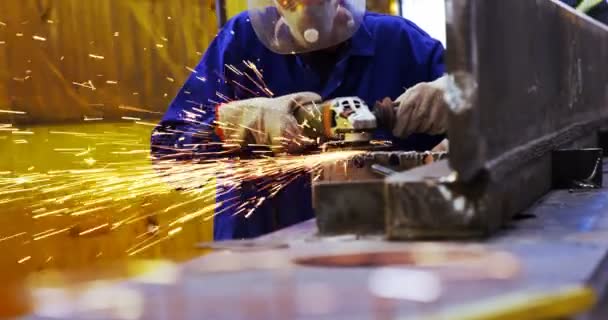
(62,60)
(59,62)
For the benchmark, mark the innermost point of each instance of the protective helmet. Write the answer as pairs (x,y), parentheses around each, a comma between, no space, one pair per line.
(297,26)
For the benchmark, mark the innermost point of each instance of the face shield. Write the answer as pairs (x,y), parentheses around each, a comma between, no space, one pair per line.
(298,26)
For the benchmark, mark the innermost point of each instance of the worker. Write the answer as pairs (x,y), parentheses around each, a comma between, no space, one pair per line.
(282,53)
(597,9)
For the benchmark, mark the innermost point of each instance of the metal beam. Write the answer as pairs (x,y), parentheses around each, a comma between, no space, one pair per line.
(528,78)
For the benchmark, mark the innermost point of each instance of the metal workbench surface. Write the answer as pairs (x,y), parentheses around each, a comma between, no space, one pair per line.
(562,241)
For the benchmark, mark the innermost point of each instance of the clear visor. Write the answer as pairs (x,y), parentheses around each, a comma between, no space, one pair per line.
(297,26)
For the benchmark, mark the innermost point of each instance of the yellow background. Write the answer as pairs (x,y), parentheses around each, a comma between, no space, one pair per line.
(64,60)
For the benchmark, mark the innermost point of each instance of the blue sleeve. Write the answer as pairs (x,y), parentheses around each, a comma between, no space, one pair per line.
(429,53)
(187,128)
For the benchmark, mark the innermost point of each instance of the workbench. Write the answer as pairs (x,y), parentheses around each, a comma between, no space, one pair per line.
(547,257)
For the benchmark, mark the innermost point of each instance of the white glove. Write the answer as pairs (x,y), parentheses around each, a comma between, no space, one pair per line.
(265,121)
(422,109)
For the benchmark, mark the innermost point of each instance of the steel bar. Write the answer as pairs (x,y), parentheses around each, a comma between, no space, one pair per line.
(349,195)
(527,78)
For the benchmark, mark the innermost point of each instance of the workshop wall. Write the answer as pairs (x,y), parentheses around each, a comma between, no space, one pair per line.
(63,60)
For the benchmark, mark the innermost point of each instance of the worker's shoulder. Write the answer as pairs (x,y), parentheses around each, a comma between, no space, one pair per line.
(378,22)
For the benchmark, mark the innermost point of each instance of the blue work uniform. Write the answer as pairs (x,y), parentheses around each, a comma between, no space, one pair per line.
(384,57)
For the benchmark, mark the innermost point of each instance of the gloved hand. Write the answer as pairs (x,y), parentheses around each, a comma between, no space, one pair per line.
(422,109)
(265,121)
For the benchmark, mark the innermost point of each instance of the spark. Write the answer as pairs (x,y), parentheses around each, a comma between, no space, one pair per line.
(49,233)
(21,79)
(68,133)
(131,118)
(90,161)
(175,231)
(95,56)
(69,149)
(24,259)
(83,212)
(111,82)
(2,24)
(38,38)
(132,253)
(22,133)
(114,186)
(13,236)
(129,108)
(86,84)
(50,213)
(149,124)
(12,111)
(93,229)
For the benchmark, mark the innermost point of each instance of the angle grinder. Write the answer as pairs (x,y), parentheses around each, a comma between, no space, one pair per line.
(343,122)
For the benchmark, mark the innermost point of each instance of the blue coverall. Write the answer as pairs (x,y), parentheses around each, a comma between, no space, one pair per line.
(385,56)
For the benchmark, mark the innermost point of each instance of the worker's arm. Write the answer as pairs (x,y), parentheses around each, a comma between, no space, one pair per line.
(420,111)
(217,110)
(267,122)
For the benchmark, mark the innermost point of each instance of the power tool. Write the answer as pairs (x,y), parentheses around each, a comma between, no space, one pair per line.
(342,122)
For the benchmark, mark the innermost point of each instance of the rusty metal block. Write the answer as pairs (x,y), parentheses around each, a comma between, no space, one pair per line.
(429,203)
(349,195)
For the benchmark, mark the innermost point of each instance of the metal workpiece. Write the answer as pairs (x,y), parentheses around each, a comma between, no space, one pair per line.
(376,164)
(429,203)
(349,195)
(515,98)
(356,208)
(542,76)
